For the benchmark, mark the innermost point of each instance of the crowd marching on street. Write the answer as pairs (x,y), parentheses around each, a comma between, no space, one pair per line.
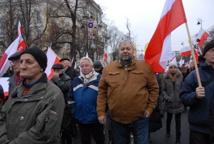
(121,103)
(124,101)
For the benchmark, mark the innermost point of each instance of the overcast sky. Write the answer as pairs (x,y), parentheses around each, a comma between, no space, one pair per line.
(144,15)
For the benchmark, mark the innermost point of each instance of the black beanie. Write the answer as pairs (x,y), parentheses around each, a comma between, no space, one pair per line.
(39,56)
(209,45)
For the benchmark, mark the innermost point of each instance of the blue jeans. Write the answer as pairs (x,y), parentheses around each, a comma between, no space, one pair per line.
(139,129)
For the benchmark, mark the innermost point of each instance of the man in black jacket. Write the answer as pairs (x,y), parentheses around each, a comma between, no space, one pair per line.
(201,99)
(69,70)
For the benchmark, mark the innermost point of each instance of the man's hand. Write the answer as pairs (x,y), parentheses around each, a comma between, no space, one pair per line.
(102,119)
(200,92)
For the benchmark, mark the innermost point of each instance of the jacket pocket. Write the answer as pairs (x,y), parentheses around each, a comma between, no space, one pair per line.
(114,78)
(51,126)
(138,76)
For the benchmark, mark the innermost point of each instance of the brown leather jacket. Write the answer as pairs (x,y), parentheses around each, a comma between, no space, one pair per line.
(127,92)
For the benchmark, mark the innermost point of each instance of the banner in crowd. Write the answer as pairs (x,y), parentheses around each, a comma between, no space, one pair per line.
(52,59)
(17,45)
(159,47)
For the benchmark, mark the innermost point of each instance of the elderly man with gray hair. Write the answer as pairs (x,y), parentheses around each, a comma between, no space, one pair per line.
(129,89)
(34,110)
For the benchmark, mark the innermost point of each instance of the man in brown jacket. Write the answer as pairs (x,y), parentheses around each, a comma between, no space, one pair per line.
(129,89)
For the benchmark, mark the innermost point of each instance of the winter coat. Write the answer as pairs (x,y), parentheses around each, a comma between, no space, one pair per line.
(14,81)
(85,98)
(63,81)
(34,118)
(201,113)
(71,72)
(128,92)
(171,93)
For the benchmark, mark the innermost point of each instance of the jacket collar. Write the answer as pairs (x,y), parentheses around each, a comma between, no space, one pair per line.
(205,66)
(130,67)
(40,85)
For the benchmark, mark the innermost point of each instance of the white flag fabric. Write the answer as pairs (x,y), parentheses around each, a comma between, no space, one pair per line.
(159,47)
(17,45)
(4,62)
(52,59)
(4,81)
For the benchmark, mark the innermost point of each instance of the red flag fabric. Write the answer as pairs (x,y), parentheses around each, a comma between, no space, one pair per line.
(158,49)
(52,59)
(202,37)
(105,56)
(185,51)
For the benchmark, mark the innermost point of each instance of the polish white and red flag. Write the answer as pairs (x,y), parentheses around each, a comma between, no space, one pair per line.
(185,51)
(4,81)
(159,47)
(52,59)
(18,44)
(202,37)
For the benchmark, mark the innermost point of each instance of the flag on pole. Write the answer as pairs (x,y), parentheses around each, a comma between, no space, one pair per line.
(22,43)
(52,59)
(17,45)
(202,37)
(185,51)
(158,49)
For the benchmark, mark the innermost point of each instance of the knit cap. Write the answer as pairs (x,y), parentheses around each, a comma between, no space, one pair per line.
(39,56)
(209,45)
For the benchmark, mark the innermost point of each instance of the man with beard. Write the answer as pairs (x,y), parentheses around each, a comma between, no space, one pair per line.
(129,89)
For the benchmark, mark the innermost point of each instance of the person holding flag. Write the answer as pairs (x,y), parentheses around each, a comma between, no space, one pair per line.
(200,98)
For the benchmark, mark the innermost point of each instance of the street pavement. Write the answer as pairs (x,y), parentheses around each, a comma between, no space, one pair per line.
(159,137)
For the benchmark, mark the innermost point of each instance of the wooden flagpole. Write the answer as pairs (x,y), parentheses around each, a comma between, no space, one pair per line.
(193,55)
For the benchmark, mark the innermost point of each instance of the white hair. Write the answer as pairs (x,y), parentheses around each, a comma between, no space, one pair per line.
(86,58)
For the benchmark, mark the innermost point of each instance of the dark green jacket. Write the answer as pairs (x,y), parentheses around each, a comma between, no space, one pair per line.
(34,118)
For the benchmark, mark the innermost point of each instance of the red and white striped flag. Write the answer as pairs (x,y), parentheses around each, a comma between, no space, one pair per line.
(17,45)
(185,51)
(202,37)
(52,59)
(159,47)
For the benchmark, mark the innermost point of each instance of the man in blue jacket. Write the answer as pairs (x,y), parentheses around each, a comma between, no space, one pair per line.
(201,99)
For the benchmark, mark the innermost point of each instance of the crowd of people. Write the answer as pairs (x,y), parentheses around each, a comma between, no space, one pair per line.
(125,97)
